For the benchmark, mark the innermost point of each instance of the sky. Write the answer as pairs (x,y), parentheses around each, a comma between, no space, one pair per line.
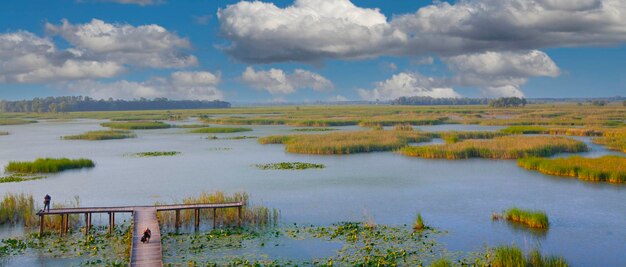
(312,50)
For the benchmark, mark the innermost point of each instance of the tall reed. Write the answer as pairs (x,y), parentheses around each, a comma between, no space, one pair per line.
(101,135)
(512,256)
(48,165)
(136,125)
(530,218)
(454,136)
(505,147)
(610,169)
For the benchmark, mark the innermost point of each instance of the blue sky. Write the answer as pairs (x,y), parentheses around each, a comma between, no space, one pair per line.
(311,50)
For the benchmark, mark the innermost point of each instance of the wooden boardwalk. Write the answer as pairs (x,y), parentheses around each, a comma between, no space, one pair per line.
(142,254)
(146,254)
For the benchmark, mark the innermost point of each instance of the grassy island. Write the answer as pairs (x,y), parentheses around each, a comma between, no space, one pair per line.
(610,169)
(290,166)
(101,135)
(530,218)
(221,130)
(156,154)
(15,121)
(48,165)
(137,125)
(505,147)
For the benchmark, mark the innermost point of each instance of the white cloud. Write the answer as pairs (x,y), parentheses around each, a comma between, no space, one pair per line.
(408,84)
(200,85)
(27,58)
(501,73)
(276,81)
(145,45)
(315,30)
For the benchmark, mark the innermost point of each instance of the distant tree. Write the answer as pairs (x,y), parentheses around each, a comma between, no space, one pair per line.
(504,102)
(598,103)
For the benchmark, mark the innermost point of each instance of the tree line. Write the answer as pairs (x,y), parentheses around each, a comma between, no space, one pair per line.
(84,103)
(429,101)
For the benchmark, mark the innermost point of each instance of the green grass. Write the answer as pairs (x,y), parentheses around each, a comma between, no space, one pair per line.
(505,147)
(454,136)
(512,256)
(314,129)
(156,154)
(419,223)
(617,143)
(221,130)
(137,125)
(289,166)
(530,218)
(48,165)
(19,177)
(524,129)
(15,121)
(16,208)
(347,142)
(610,169)
(101,135)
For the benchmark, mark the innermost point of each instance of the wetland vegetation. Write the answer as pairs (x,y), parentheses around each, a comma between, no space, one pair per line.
(610,169)
(221,130)
(137,125)
(15,121)
(4,133)
(156,154)
(290,166)
(505,147)
(101,135)
(530,218)
(48,165)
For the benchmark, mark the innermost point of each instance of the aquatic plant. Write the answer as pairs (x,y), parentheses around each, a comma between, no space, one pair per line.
(18,208)
(221,130)
(530,218)
(15,121)
(347,142)
(419,223)
(617,143)
(290,166)
(313,129)
(137,125)
(4,133)
(19,177)
(251,215)
(48,165)
(442,262)
(156,154)
(524,129)
(101,135)
(610,169)
(512,256)
(403,127)
(454,136)
(505,147)
(190,126)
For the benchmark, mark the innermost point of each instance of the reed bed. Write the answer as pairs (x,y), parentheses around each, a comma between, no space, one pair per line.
(190,126)
(613,143)
(15,121)
(524,129)
(575,131)
(137,125)
(530,218)
(347,142)
(454,136)
(4,133)
(290,166)
(101,135)
(505,147)
(314,129)
(391,121)
(20,177)
(610,169)
(221,130)
(18,208)
(512,256)
(252,215)
(48,165)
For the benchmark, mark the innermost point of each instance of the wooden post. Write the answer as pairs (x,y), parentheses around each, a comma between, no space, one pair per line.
(197,217)
(110,225)
(41,225)
(112,221)
(62,228)
(87,222)
(239,209)
(214,217)
(67,223)
(177,222)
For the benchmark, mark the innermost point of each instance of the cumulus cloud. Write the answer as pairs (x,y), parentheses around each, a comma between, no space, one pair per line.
(315,30)
(501,73)
(276,81)
(408,84)
(27,58)
(200,85)
(145,45)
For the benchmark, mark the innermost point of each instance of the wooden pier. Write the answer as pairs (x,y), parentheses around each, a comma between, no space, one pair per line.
(142,254)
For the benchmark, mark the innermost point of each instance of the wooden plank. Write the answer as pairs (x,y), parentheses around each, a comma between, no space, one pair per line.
(146,254)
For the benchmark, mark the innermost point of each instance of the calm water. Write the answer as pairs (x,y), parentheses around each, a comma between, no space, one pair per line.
(587,220)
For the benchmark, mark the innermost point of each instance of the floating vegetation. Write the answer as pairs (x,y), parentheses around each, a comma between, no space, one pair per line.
(290,166)
(156,154)
(252,215)
(19,177)
(221,130)
(524,129)
(4,133)
(610,169)
(240,137)
(505,147)
(454,136)
(101,135)
(530,218)
(347,142)
(313,129)
(15,121)
(506,256)
(48,165)
(137,125)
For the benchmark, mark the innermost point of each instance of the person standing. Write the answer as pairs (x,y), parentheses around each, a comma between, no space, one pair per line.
(46,202)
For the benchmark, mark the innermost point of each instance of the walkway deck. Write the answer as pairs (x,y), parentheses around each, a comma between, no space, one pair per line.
(142,254)
(146,254)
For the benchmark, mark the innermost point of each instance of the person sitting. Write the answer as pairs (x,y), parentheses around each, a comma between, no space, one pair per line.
(146,236)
